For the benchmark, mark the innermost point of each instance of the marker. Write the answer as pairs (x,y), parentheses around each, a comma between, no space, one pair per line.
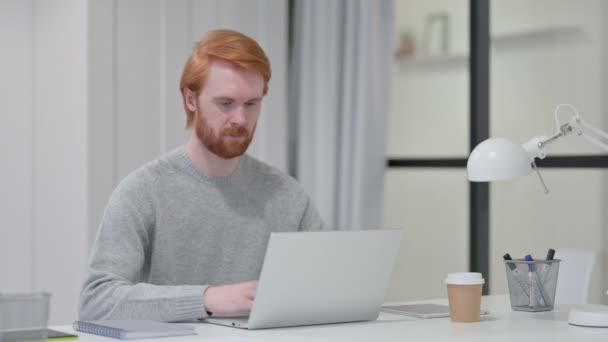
(531,286)
(546,272)
(535,282)
(547,266)
(516,274)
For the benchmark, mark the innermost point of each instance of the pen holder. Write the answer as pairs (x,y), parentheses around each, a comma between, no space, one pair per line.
(532,284)
(24,316)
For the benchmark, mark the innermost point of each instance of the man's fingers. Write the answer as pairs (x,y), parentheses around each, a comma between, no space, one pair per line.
(251,284)
(230,298)
(248,305)
(250,289)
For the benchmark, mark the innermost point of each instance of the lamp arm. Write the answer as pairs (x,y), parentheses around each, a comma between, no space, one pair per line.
(563,130)
(590,133)
(536,147)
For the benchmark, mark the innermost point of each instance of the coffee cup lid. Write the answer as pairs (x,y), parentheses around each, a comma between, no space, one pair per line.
(464,278)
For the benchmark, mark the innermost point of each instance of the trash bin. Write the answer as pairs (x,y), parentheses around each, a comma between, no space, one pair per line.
(24,316)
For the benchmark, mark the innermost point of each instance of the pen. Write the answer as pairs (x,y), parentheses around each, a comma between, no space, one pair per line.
(550,254)
(546,275)
(547,266)
(516,274)
(534,281)
(530,282)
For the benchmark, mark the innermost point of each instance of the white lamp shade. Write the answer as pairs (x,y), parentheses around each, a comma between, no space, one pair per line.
(497,159)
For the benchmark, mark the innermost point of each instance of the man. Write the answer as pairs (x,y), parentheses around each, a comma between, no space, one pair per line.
(183,237)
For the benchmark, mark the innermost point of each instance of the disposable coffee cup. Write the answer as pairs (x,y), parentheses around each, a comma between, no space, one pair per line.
(464,296)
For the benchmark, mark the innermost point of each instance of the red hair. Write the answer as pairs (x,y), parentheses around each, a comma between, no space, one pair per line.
(227,45)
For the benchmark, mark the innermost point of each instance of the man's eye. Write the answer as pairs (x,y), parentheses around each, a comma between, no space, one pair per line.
(225,103)
(250,104)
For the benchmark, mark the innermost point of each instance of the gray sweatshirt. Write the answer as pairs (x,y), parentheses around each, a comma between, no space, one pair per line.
(170,231)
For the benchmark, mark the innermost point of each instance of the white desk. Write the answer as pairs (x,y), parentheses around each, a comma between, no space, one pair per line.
(502,324)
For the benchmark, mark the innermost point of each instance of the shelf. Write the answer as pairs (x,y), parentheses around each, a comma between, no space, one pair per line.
(537,33)
(549,34)
(447,60)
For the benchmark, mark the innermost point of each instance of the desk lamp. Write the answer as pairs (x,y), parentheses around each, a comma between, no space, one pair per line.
(498,159)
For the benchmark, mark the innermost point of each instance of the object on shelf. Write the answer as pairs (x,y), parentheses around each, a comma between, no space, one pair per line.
(406,45)
(436,36)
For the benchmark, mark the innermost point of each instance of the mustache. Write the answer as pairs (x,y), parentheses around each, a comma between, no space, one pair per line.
(235,131)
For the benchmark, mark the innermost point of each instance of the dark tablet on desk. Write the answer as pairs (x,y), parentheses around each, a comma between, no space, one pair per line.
(421,310)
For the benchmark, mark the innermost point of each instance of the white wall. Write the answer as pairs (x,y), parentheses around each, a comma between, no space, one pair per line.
(89,91)
(43,143)
(16,145)
(429,100)
(429,118)
(430,207)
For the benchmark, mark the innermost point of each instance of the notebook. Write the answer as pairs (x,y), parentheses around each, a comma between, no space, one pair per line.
(133,329)
(321,277)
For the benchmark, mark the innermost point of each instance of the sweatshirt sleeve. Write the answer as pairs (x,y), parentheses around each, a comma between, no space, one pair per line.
(114,287)
(311,220)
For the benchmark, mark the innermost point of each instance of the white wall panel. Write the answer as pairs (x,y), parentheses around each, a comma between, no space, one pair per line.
(429,119)
(431,208)
(138,83)
(270,143)
(430,94)
(60,152)
(176,44)
(204,16)
(16,145)
(102,109)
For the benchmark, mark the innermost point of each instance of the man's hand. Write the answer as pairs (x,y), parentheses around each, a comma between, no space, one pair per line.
(230,299)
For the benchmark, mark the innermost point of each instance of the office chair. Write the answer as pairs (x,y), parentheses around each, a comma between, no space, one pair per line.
(574,277)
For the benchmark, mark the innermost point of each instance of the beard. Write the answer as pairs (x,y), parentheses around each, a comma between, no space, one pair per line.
(223,144)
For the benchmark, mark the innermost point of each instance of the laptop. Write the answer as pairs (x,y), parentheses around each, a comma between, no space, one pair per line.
(321,277)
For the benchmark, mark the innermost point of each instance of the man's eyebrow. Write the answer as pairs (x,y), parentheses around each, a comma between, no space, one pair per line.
(226,98)
(223,98)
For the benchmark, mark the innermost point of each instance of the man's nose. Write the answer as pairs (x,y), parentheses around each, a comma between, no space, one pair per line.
(238,117)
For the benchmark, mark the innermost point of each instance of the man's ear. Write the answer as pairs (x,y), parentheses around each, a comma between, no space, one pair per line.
(190,99)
